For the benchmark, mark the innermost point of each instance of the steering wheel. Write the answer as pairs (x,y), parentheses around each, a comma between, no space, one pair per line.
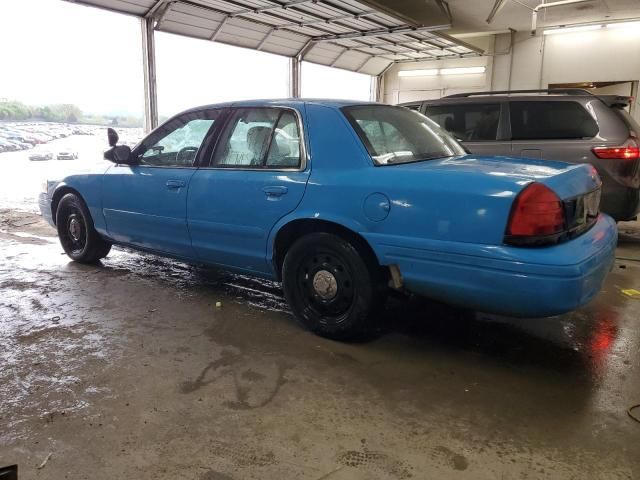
(192,150)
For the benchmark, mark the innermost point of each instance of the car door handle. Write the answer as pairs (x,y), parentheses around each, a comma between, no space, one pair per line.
(276,191)
(172,184)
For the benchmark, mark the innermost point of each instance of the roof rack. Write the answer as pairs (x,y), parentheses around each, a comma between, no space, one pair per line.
(566,91)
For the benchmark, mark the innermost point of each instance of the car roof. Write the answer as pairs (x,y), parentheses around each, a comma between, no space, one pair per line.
(488,98)
(535,95)
(286,102)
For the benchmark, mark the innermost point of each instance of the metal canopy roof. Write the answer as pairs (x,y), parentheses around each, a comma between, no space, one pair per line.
(364,36)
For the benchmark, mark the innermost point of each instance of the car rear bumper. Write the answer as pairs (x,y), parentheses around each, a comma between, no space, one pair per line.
(622,203)
(45,208)
(515,281)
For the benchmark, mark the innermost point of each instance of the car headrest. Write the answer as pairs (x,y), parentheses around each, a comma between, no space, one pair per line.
(257,140)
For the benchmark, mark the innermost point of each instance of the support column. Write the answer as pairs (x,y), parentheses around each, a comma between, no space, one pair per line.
(295,77)
(374,92)
(149,68)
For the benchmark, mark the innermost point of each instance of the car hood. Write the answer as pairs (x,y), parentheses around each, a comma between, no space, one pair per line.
(70,174)
(510,174)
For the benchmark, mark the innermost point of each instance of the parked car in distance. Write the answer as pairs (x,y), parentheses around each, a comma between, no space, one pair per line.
(41,155)
(67,154)
(7,146)
(17,143)
(342,201)
(570,125)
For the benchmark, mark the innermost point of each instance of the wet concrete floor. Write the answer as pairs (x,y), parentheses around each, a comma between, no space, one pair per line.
(128,370)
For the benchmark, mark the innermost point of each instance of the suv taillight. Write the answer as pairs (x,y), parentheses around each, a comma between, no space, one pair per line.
(537,217)
(628,151)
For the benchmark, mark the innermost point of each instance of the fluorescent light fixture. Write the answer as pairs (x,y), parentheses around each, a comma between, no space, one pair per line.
(461,70)
(624,25)
(418,73)
(581,28)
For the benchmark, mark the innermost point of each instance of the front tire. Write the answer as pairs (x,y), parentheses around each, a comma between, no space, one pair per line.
(330,287)
(79,239)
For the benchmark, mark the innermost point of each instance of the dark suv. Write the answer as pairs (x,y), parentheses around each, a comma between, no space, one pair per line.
(570,125)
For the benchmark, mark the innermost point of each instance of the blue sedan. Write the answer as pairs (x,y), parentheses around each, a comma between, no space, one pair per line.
(341,202)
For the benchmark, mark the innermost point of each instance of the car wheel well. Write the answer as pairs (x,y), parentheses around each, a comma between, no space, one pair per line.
(57,195)
(296,229)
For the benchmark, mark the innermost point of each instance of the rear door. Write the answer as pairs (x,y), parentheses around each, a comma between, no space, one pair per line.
(146,204)
(552,129)
(257,175)
(481,127)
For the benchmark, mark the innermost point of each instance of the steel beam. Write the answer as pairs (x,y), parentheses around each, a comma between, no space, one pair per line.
(494,11)
(149,69)
(265,38)
(219,28)
(156,6)
(295,77)
(366,60)
(378,32)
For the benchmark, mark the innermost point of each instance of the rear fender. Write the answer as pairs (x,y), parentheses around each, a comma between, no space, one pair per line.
(348,223)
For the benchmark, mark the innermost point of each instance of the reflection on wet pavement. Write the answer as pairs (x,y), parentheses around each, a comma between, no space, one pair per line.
(127,369)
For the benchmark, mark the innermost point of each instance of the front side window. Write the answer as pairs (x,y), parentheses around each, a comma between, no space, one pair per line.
(260,138)
(550,120)
(468,123)
(395,135)
(177,142)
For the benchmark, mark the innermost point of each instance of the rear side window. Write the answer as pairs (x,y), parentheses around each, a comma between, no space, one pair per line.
(551,120)
(260,138)
(395,135)
(469,123)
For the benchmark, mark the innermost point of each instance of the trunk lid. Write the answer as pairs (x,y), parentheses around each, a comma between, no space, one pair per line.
(566,180)
(470,198)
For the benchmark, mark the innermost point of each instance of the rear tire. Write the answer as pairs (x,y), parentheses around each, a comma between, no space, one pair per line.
(79,239)
(331,288)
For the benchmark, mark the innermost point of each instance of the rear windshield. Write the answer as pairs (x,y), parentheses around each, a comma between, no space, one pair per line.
(394,135)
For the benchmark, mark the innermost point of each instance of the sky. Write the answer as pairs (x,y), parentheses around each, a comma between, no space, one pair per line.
(67,53)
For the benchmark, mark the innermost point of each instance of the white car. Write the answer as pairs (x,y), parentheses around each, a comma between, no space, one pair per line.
(42,155)
(67,154)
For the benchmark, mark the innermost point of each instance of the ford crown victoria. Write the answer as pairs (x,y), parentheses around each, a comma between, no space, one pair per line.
(342,201)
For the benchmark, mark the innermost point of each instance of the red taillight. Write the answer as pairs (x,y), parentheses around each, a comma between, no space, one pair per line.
(628,151)
(536,212)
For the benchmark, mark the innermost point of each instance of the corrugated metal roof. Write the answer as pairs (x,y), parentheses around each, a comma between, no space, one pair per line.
(347,34)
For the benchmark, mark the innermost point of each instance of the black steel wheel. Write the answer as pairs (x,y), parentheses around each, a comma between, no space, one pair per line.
(77,235)
(329,286)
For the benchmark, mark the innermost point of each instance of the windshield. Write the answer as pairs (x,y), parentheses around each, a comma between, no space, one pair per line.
(394,135)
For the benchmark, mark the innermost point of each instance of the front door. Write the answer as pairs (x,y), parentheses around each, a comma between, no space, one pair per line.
(145,204)
(256,176)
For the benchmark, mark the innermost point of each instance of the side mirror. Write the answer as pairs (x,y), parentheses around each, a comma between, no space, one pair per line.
(117,154)
(112,137)
(122,154)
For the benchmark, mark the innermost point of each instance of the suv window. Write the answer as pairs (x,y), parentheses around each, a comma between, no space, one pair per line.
(550,120)
(470,122)
(177,142)
(260,138)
